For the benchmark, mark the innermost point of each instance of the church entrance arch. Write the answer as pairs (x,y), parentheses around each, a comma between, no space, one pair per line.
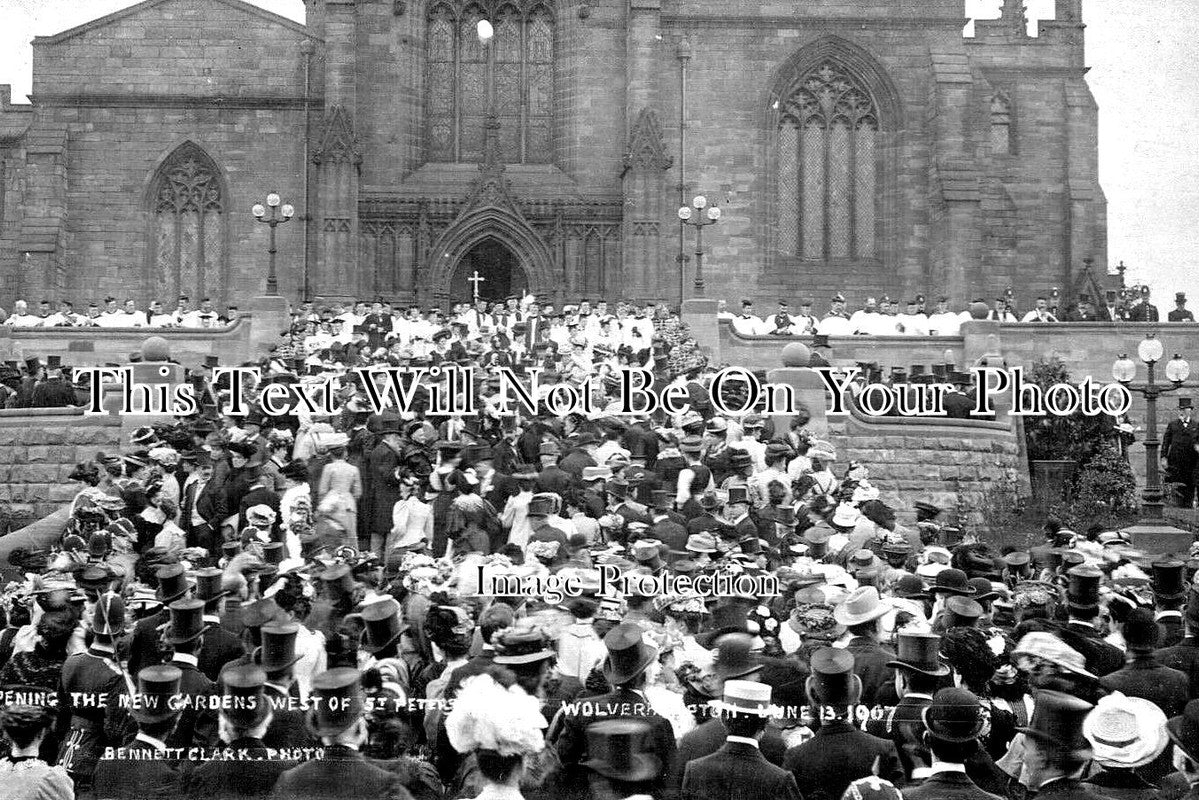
(493,268)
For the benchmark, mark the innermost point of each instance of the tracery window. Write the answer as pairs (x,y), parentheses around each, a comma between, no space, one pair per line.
(828,167)
(465,76)
(189,224)
(1001,125)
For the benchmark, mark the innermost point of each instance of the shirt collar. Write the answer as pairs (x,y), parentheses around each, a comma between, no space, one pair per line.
(215,619)
(157,744)
(106,649)
(186,658)
(1168,614)
(744,740)
(943,767)
(1083,623)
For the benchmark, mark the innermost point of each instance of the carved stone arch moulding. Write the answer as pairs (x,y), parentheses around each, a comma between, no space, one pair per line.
(491,223)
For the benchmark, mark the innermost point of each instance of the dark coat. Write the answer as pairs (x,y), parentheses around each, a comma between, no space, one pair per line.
(574,462)
(220,647)
(384,488)
(1178,448)
(1124,784)
(197,726)
(1171,627)
(838,755)
(1183,657)
(709,737)
(670,533)
(737,771)
(1102,657)
(870,664)
(254,777)
(554,479)
(144,647)
(947,786)
(1144,677)
(287,728)
(342,773)
(904,726)
(137,779)
(1070,789)
(620,703)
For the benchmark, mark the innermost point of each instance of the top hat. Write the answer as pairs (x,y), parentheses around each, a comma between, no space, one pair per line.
(1180,297)
(833,682)
(1168,580)
(278,650)
(614,750)
(628,654)
(1083,591)
(383,625)
(208,584)
(954,715)
(738,494)
(338,579)
(338,701)
(187,621)
(108,616)
(273,553)
(244,689)
(172,582)
(920,652)
(1056,723)
(540,506)
(1185,402)
(156,686)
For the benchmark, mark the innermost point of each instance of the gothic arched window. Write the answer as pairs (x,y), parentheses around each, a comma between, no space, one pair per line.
(515,72)
(189,224)
(1001,125)
(828,168)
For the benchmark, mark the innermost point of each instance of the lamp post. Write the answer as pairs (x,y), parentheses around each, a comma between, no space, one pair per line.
(699,214)
(279,215)
(1177,370)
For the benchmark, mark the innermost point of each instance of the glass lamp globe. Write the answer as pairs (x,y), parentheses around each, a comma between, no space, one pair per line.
(288,210)
(714,213)
(259,210)
(1150,350)
(485,31)
(684,213)
(1125,369)
(273,199)
(699,201)
(1178,370)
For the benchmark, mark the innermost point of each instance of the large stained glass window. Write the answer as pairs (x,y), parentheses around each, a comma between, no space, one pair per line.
(466,79)
(189,225)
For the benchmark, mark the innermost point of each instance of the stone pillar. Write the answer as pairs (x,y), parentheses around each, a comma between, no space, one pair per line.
(338,159)
(41,245)
(700,316)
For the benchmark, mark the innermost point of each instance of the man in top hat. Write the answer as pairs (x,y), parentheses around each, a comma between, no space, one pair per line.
(146,646)
(1184,656)
(1180,313)
(1056,751)
(629,655)
(245,715)
(738,768)
(919,672)
(1178,453)
(1169,595)
(619,766)
(95,672)
(953,722)
(337,719)
(1080,632)
(147,772)
(277,657)
(862,613)
(1143,675)
(221,645)
(185,635)
(840,752)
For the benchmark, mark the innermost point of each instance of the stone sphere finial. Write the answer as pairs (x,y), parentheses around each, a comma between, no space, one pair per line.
(979,310)
(156,349)
(796,354)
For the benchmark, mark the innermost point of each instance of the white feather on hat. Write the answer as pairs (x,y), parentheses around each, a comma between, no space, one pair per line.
(486,716)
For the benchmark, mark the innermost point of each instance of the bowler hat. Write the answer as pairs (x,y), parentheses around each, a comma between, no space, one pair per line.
(156,686)
(172,582)
(614,749)
(920,652)
(833,682)
(1056,724)
(278,650)
(244,689)
(628,654)
(1184,730)
(734,656)
(954,715)
(338,701)
(187,621)
(910,587)
(953,582)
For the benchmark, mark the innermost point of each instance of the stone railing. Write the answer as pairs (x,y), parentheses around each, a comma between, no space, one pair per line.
(99,346)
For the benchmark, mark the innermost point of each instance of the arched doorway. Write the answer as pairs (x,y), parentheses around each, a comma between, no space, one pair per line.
(498,268)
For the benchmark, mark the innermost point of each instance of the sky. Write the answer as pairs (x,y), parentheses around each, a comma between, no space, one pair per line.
(1143,72)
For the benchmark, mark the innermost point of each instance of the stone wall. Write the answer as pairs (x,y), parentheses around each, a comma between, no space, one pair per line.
(88,347)
(37,453)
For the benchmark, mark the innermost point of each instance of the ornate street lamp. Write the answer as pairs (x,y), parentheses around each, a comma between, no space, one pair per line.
(1178,370)
(278,215)
(699,214)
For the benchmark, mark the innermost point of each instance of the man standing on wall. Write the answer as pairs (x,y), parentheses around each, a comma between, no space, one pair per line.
(1178,453)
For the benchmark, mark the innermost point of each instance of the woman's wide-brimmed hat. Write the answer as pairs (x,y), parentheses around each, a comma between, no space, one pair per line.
(1125,732)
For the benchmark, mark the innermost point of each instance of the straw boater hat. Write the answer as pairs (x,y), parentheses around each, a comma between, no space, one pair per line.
(1125,732)
(744,697)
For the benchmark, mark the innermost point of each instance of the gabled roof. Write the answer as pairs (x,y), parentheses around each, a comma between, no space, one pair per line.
(134,10)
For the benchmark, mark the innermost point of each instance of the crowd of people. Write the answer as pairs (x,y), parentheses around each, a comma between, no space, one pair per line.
(886,317)
(247,605)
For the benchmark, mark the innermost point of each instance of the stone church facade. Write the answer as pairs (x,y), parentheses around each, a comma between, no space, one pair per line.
(856,145)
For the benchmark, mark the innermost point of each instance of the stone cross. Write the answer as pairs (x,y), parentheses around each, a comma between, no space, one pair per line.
(476,279)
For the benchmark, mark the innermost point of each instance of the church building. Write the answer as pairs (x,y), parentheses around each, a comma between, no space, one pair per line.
(862,146)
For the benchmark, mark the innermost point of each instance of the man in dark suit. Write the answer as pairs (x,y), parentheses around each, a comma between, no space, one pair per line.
(552,478)
(1143,675)
(1082,606)
(146,772)
(1184,656)
(1056,752)
(146,647)
(277,657)
(197,722)
(738,770)
(624,668)
(252,770)
(343,772)
(919,672)
(953,721)
(862,613)
(1178,453)
(220,644)
(666,526)
(581,455)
